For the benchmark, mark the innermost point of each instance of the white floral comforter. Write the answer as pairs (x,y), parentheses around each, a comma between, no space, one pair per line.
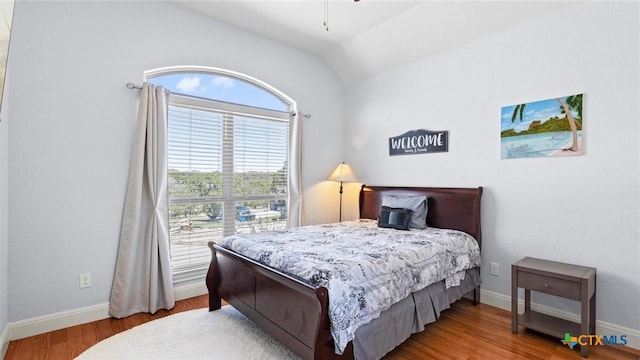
(366,269)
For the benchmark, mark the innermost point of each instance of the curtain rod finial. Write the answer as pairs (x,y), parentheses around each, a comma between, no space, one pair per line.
(307,115)
(132,86)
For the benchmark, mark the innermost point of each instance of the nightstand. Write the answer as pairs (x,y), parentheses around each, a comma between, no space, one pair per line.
(564,280)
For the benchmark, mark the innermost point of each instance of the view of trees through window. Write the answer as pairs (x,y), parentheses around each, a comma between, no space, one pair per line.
(227,164)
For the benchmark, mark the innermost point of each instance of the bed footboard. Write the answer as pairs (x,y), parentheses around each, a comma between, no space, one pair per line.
(293,312)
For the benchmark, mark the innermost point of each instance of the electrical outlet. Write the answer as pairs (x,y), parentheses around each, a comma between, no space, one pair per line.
(85,280)
(495,269)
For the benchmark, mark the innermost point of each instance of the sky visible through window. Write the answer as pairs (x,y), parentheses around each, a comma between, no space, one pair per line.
(221,88)
(259,144)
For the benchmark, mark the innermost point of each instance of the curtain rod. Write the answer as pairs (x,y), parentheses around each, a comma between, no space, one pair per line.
(133,86)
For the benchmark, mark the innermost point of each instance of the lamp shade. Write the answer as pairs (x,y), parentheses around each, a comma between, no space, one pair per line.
(343,173)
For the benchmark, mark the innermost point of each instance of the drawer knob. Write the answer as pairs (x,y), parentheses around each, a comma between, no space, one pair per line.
(547,285)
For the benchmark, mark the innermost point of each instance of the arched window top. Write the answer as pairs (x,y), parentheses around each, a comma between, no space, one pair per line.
(220,85)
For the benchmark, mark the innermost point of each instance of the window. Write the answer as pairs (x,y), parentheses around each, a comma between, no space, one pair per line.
(228,146)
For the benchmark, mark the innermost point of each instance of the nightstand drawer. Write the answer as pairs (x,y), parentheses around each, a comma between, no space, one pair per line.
(550,285)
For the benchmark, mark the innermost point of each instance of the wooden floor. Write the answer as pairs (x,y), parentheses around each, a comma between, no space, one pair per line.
(463,332)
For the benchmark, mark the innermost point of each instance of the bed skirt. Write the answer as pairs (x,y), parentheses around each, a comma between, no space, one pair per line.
(410,315)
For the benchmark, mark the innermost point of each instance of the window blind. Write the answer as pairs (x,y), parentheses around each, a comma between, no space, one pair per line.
(228,174)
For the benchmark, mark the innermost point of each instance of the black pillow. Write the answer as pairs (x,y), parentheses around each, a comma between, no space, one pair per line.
(397,218)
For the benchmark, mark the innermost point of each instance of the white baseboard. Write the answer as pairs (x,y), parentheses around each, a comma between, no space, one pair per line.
(602,328)
(42,324)
(192,290)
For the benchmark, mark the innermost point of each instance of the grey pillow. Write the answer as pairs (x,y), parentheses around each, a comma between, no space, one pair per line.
(416,203)
(396,218)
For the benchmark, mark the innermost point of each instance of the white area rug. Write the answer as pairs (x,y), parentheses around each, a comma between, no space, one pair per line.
(196,334)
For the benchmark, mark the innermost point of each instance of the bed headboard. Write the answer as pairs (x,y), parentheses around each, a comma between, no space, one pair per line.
(448,208)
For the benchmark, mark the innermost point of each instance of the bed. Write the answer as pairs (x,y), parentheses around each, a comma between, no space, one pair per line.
(296,313)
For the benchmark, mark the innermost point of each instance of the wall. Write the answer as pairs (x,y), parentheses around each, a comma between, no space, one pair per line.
(72,125)
(580,210)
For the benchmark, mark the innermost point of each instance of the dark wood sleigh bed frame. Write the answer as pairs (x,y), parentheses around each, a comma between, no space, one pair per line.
(295,313)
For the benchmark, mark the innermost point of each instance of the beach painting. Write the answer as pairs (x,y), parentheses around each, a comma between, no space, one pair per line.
(544,128)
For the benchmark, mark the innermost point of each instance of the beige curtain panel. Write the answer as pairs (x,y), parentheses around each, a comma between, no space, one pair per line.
(142,281)
(296,206)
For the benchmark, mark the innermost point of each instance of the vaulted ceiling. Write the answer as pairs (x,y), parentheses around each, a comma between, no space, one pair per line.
(371,36)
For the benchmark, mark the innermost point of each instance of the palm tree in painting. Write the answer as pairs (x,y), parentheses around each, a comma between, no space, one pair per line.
(573,102)
(519,109)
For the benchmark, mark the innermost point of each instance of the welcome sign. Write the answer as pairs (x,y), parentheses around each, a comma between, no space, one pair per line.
(419,142)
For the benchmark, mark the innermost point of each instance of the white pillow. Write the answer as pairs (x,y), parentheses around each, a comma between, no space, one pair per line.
(418,204)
